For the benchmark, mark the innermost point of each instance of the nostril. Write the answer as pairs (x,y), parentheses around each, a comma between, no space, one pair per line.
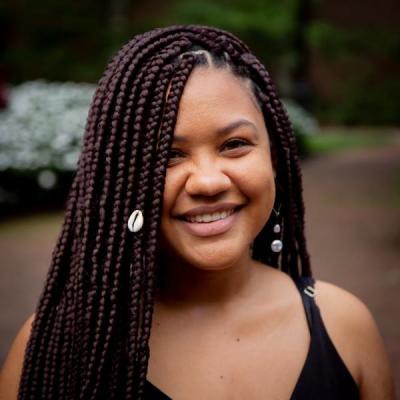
(207,184)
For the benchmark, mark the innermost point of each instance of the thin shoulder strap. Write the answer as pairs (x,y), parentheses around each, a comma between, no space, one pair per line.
(305,284)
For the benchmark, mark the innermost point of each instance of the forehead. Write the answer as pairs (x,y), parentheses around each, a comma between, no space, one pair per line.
(214,97)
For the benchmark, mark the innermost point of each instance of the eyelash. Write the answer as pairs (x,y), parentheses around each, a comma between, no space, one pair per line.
(240,141)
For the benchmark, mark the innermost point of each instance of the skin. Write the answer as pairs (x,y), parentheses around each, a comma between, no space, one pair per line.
(224,325)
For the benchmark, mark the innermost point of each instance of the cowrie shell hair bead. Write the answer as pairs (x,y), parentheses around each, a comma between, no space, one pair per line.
(135,221)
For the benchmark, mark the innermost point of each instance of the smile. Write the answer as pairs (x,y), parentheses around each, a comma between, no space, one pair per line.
(206,218)
(211,224)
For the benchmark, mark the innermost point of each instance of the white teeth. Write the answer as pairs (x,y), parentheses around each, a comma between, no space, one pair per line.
(210,217)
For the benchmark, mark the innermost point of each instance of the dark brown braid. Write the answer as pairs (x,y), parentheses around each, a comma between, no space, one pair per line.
(90,335)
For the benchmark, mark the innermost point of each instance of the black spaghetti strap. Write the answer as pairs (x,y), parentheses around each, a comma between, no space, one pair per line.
(324,375)
(305,284)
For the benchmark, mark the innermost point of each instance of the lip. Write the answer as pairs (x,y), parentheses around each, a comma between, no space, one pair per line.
(204,229)
(208,209)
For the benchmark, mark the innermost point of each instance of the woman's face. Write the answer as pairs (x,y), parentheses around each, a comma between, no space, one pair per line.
(220,158)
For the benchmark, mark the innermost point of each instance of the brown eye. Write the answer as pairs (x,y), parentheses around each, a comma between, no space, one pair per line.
(173,156)
(235,143)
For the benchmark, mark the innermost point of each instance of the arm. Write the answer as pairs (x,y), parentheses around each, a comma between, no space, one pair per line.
(11,372)
(356,336)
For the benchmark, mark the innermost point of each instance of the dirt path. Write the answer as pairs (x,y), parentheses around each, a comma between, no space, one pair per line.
(353,227)
(353,230)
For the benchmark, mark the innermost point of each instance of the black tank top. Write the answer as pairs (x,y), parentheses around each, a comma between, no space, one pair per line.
(324,374)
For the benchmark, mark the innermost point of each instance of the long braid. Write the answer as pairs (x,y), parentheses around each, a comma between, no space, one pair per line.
(60,249)
(92,326)
(297,182)
(138,128)
(114,76)
(145,172)
(113,297)
(96,119)
(144,95)
(103,123)
(171,112)
(55,278)
(164,78)
(60,254)
(293,186)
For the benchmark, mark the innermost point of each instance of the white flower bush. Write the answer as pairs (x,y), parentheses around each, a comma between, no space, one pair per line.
(42,129)
(43,126)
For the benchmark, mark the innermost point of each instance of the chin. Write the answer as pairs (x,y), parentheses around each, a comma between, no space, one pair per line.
(214,261)
(212,267)
(212,254)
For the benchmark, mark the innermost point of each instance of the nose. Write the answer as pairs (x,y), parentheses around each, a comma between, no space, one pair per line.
(207,179)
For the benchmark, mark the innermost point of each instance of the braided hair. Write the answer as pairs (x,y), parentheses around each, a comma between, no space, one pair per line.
(90,334)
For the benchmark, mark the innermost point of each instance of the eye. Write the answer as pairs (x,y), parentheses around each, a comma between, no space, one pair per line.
(235,143)
(174,155)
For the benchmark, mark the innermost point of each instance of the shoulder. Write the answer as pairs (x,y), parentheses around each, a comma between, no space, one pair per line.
(356,337)
(11,371)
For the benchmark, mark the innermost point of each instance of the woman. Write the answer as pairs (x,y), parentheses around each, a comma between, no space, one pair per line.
(182,270)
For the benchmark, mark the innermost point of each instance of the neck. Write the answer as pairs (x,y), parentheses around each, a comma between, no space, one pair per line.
(187,286)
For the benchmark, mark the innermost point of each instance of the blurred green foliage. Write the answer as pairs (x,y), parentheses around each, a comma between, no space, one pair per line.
(58,40)
(368,61)
(330,142)
(337,43)
(265,25)
(361,101)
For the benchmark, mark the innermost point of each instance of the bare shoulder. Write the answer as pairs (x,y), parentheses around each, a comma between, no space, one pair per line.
(356,336)
(11,371)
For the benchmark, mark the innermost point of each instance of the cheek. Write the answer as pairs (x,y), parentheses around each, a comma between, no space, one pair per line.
(258,185)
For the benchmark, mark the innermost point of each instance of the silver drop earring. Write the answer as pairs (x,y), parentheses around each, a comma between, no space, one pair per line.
(276,245)
(135,221)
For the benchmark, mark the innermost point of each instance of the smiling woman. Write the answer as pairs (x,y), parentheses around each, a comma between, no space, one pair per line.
(181,270)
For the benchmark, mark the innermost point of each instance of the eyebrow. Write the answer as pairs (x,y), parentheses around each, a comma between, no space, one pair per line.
(224,130)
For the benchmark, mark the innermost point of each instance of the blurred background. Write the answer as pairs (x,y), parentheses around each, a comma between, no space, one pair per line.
(337,67)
